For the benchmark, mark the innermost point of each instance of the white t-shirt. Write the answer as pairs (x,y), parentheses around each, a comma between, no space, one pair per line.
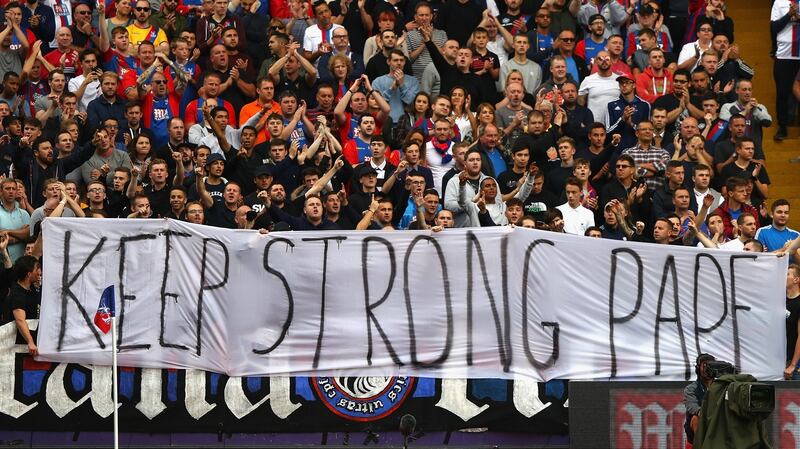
(577,220)
(313,37)
(601,91)
(91,92)
(733,245)
(690,50)
(438,169)
(788,48)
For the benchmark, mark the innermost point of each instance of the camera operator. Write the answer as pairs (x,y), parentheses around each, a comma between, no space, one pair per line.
(693,395)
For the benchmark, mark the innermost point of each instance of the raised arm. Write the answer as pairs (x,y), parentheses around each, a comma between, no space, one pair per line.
(205,197)
(368,215)
(339,112)
(325,179)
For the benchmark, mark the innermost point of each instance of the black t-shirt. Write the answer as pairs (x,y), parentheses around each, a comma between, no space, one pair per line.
(537,204)
(508,180)
(28,300)
(792,316)
(159,199)
(216,191)
(220,216)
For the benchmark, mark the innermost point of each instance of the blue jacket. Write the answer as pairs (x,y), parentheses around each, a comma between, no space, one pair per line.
(616,125)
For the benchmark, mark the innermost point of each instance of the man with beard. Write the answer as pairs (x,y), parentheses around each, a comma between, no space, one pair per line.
(599,88)
(578,117)
(142,31)
(107,105)
(34,163)
(169,20)
(775,236)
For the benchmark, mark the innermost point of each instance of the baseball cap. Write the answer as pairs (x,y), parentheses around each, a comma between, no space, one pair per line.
(262,170)
(213,157)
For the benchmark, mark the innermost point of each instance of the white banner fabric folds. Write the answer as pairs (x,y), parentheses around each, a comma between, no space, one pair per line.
(463,303)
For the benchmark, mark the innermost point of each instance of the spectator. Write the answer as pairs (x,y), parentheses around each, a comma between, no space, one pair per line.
(777,235)
(416,39)
(731,64)
(209,27)
(564,46)
(318,38)
(512,116)
(439,152)
(577,219)
(340,46)
(628,110)
(457,19)
(663,197)
(530,70)
(649,18)
(735,205)
(396,89)
(24,298)
(655,81)
(462,189)
(689,57)
(142,31)
(745,167)
(485,64)
(595,42)
(747,225)
(600,88)
(379,63)
(618,65)
(787,62)
(701,180)
(13,220)
(792,322)
(541,37)
(756,115)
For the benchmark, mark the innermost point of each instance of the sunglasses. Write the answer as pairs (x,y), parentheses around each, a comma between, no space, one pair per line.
(83,13)
(159,81)
(142,8)
(567,39)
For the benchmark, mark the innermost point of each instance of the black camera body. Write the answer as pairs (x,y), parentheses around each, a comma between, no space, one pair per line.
(717,368)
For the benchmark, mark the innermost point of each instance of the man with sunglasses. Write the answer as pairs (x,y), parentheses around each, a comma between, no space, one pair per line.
(142,31)
(82,31)
(677,102)
(564,46)
(160,103)
(600,88)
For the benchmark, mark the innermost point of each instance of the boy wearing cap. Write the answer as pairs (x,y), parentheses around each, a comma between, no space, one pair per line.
(367,177)
(213,182)
(262,180)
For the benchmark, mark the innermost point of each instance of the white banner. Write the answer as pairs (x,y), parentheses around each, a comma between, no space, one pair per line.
(467,303)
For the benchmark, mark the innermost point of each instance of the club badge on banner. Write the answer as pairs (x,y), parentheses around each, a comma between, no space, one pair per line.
(463,303)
